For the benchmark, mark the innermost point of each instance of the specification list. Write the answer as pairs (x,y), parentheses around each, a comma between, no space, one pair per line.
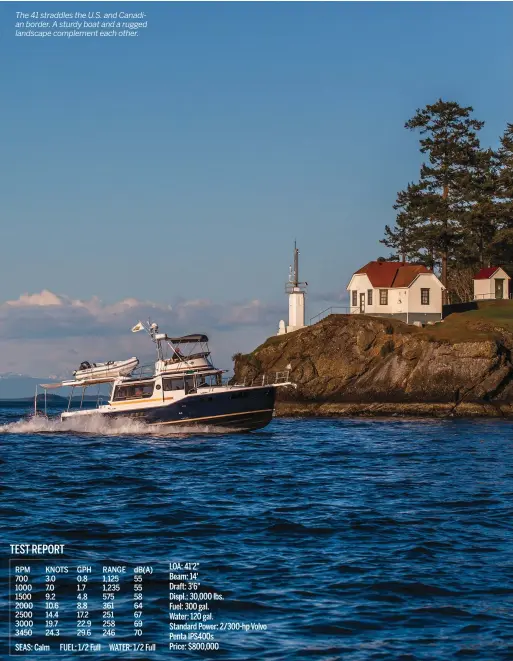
(61,606)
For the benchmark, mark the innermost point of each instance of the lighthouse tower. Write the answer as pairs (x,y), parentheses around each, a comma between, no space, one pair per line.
(296,291)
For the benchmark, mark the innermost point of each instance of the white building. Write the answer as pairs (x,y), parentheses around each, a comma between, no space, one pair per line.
(296,292)
(409,292)
(491,283)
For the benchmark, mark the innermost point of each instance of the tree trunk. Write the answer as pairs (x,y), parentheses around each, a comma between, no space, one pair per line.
(444,278)
(445,294)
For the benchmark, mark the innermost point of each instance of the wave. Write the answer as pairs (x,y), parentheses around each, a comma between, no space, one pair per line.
(101,426)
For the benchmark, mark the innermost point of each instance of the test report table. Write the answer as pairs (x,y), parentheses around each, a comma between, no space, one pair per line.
(61,606)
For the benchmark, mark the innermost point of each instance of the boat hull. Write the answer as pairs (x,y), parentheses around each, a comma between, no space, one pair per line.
(237,410)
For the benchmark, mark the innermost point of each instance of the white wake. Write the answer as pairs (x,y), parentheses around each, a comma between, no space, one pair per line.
(101,426)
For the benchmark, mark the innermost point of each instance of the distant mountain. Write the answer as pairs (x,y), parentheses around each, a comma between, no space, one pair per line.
(18,386)
(52,401)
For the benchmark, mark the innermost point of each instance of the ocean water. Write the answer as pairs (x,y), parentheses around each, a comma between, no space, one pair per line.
(348,539)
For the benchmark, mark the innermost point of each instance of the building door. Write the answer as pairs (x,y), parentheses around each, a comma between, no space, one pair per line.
(362,303)
(499,288)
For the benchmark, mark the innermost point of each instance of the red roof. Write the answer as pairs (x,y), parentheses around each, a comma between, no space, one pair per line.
(486,273)
(392,274)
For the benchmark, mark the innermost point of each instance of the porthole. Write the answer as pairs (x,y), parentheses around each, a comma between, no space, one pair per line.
(158,386)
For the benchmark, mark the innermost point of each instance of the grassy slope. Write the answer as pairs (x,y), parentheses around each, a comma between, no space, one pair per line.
(491,320)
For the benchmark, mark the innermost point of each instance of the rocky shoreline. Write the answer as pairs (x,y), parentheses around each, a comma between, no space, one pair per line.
(390,409)
(357,365)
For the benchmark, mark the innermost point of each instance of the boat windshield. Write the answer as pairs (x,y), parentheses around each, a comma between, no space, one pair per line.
(134,391)
(202,381)
(209,380)
(177,383)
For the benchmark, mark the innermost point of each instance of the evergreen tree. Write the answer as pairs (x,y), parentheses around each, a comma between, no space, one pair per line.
(505,178)
(479,218)
(449,139)
(459,216)
(501,244)
(404,237)
(501,249)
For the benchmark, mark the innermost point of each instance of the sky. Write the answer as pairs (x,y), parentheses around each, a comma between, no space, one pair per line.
(172,172)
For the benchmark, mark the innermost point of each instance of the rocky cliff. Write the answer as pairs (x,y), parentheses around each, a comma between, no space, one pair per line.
(360,365)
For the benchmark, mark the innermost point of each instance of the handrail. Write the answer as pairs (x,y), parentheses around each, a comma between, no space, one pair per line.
(271,379)
(329,311)
(491,296)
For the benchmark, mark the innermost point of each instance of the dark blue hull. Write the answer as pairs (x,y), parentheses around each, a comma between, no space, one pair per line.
(244,409)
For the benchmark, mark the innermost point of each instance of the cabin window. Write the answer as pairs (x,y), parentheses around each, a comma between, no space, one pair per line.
(383,296)
(208,380)
(424,296)
(202,381)
(172,384)
(189,384)
(355,297)
(135,391)
(369,296)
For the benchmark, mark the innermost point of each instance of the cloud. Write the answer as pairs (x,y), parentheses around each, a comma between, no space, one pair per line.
(43,333)
(45,315)
(43,299)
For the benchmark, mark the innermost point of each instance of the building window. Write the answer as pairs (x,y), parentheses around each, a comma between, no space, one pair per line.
(424,296)
(369,296)
(355,298)
(383,296)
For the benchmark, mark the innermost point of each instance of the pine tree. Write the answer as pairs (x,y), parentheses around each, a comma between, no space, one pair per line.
(505,178)
(404,238)
(449,139)
(501,245)
(479,210)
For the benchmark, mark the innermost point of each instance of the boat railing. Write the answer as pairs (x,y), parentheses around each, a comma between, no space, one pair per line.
(143,371)
(270,379)
(74,402)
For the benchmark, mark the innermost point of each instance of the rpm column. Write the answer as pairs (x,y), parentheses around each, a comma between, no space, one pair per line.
(21,585)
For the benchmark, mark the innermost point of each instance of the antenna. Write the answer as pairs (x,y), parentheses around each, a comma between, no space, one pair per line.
(294,283)
(296,265)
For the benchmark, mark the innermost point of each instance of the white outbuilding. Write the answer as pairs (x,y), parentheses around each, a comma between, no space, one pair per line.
(491,283)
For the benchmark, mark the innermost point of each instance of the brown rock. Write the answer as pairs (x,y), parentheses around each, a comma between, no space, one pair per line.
(357,365)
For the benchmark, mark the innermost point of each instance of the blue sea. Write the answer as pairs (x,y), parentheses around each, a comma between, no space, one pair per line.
(352,539)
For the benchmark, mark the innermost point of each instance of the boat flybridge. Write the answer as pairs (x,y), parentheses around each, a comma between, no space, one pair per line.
(182,388)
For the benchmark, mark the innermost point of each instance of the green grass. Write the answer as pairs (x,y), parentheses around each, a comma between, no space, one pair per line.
(489,321)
